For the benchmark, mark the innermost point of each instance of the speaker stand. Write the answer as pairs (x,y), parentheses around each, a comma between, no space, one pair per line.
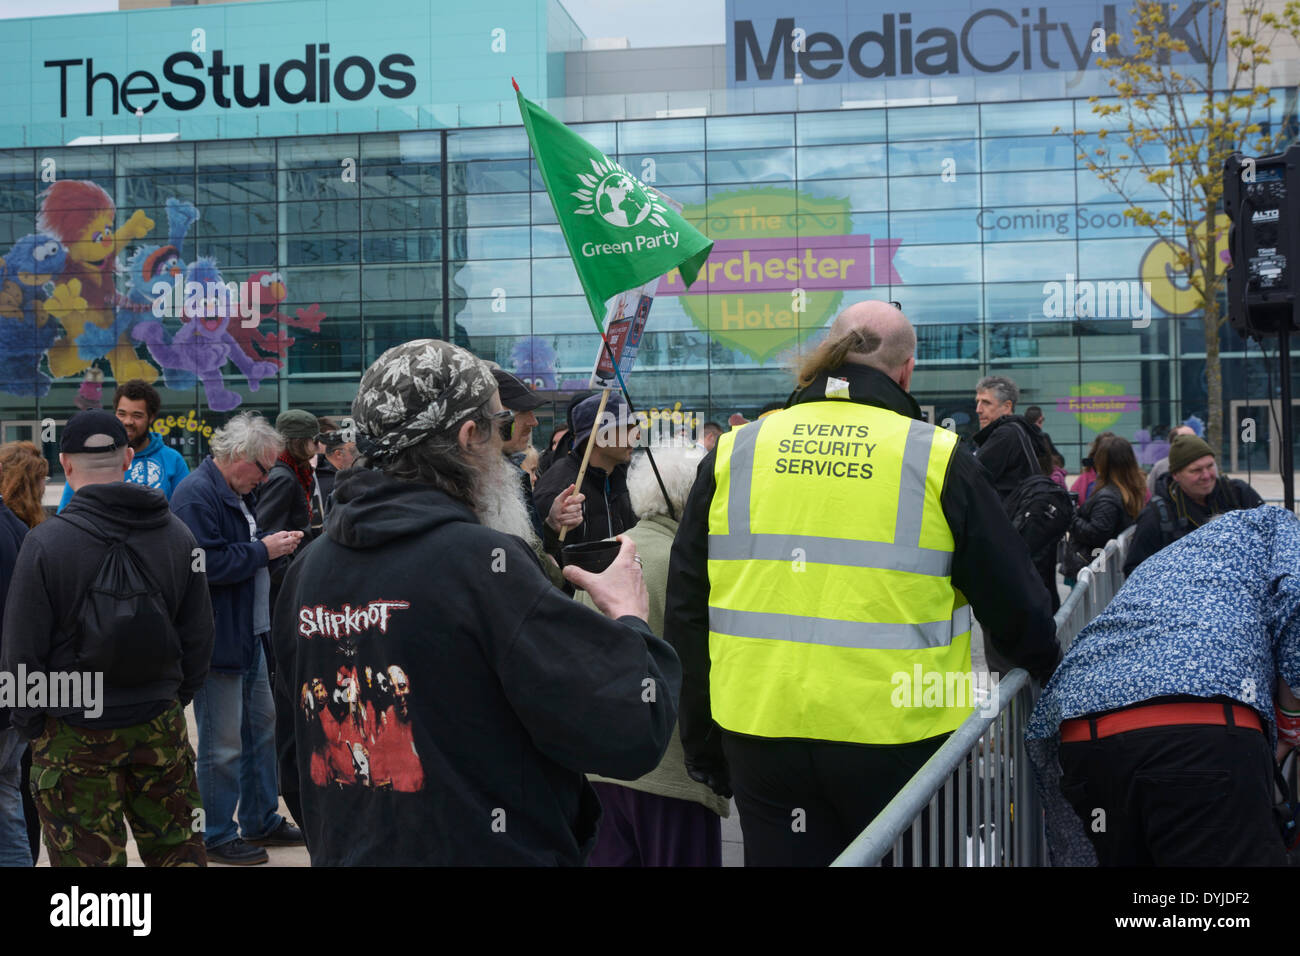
(1288,463)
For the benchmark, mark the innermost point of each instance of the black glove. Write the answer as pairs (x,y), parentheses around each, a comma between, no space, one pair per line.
(1045,674)
(715,776)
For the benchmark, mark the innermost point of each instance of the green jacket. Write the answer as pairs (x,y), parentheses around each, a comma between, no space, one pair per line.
(653,538)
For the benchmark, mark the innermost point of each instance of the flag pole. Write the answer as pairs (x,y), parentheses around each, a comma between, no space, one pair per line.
(586,455)
(654,465)
(689,270)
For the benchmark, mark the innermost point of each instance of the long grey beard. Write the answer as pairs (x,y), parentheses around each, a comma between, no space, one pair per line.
(501,505)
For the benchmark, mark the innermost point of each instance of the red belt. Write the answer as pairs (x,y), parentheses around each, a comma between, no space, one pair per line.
(1159,715)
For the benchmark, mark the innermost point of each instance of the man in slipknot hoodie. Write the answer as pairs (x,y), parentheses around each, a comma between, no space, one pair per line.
(438,698)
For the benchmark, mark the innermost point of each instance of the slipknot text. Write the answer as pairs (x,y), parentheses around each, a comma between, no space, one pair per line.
(348,621)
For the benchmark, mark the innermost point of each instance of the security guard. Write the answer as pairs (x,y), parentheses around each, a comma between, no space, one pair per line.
(818,597)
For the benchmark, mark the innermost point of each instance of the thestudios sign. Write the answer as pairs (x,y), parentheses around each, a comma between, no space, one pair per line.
(235,70)
(842,42)
(184,81)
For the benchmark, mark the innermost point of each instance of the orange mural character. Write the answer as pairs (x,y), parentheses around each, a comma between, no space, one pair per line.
(81,215)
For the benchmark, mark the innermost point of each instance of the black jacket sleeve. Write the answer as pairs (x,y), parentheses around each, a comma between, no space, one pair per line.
(1101,518)
(1147,539)
(686,622)
(284,643)
(275,503)
(597,695)
(1247,495)
(281,507)
(556,478)
(195,625)
(992,568)
(30,625)
(10,543)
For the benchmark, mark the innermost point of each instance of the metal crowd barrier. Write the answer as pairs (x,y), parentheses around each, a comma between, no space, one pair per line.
(974,803)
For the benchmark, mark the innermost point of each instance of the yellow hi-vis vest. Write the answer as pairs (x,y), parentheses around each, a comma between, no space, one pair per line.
(832,614)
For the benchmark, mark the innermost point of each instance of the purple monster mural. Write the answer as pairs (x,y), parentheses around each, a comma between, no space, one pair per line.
(534,363)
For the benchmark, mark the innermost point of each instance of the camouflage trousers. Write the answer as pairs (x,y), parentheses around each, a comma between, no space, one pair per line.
(85,780)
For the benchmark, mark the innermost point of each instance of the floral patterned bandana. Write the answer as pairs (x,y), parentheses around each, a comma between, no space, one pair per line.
(416,390)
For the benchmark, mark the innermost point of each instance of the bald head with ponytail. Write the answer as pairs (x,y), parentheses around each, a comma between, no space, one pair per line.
(868,333)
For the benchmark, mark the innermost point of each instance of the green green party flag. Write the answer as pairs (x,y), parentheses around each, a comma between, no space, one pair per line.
(620,234)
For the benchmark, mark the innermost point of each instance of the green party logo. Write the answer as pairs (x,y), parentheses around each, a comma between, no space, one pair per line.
(616,196)
(782,260)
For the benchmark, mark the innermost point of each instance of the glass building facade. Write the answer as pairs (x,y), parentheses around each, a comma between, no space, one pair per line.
(961,212)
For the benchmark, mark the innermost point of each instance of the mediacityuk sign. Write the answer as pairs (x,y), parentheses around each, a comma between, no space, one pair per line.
(772,42)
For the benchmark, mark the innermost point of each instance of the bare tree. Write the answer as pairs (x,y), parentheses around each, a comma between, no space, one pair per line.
(1177,127)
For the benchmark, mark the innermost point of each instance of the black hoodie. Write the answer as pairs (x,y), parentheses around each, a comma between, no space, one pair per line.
(58,563)
(439,700)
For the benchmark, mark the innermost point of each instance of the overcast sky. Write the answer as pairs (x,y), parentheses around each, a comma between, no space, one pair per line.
(661,23)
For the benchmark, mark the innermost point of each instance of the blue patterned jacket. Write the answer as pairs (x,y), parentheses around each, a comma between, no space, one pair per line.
(1215,613)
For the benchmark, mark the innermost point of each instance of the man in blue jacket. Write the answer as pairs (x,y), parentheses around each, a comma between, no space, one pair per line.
(234,704)
(136,405)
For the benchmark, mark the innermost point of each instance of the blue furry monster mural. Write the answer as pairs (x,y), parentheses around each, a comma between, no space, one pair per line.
(534,363)
(150,265)
(145,266)
(204,345)
(27,272)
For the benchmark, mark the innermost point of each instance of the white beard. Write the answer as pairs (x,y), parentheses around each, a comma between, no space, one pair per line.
(501,506)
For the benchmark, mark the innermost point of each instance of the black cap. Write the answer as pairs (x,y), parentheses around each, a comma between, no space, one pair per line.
(515,395)
(92,431)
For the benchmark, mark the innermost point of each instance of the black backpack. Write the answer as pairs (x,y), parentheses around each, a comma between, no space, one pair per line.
(121,627)
(1040,510)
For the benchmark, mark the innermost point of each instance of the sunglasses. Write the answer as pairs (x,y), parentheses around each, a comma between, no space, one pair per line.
(501,417)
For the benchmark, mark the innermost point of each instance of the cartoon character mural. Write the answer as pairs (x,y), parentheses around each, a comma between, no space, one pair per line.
(68,271)
(80,215)
(272,293)
(204,344)
(146,266)
(27,272)
(256,344)
(534,363)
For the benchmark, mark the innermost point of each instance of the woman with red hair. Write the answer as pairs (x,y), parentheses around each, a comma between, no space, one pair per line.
(22,483)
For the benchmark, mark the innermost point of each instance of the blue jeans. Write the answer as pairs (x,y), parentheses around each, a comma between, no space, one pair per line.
(15,850)
(236,758)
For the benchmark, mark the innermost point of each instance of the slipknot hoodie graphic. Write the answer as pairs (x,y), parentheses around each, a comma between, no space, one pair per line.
(358,716)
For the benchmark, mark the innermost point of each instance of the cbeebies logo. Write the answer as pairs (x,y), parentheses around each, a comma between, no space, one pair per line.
(186,423)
